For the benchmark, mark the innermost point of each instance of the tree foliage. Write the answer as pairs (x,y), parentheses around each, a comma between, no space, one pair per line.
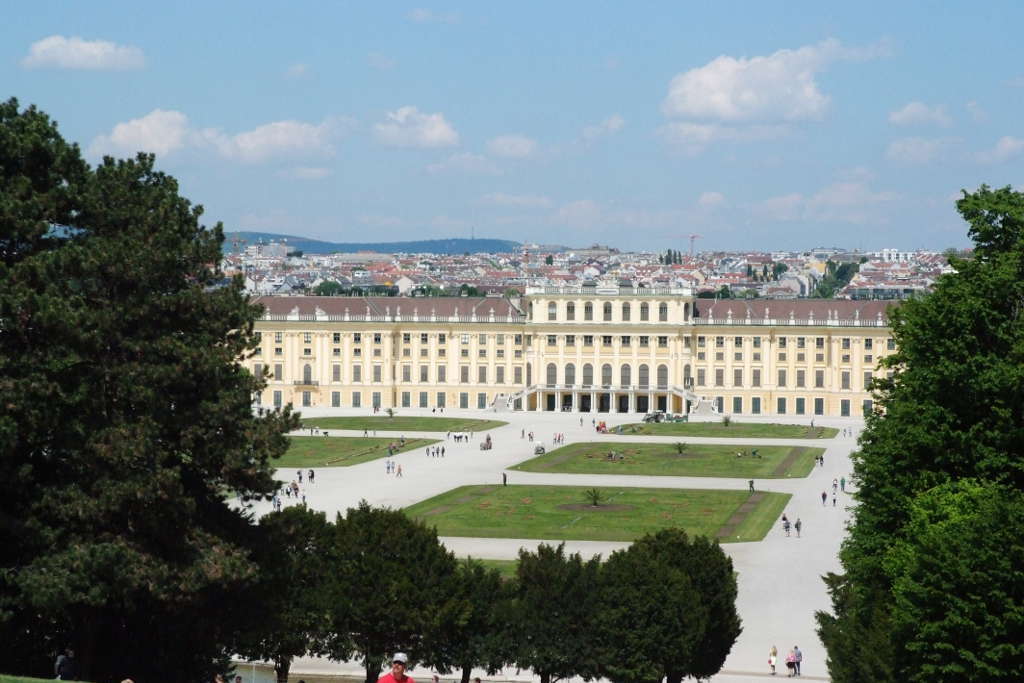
(479,636)
(556,601)
(286,615)
(393,590)
(668,609)
(952,410)
(126,415)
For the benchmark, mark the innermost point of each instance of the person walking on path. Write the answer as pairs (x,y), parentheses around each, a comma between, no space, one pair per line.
(842,484)
(785,526)
(790,664)
(398,472)
(504,479)
(311,476)
(751,485)
(833,499)
(64,667)
(798,525)
(824,497)
(397,674)
(773,655)
(798,658)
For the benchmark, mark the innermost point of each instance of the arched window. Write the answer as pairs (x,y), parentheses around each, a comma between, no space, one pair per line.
(663,377)
(570,311)
(625,376)
(529,374)
(606,375)
(552,374)
(645,312)
(588,311)
(687,377)
(607,311)
(663,312)
(552,310)
(686,311)
(644,376)
(530,311)
(307,373)
(570,374)
(588,374)
(625,311)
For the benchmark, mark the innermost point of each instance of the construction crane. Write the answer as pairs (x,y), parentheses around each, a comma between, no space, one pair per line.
(693,238)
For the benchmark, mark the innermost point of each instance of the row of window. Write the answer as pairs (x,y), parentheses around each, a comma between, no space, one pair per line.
(587,375)
(782,378)
(441,374)
(643,341)
(799,405)
(423,399)
(607,309)
(783,342)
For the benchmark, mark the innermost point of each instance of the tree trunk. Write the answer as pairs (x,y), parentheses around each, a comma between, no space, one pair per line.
(466,671)
(373,665)
(674,677)
(545,677)
(281,668)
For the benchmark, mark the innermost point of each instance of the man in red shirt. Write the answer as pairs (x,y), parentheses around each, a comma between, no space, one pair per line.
(397,675)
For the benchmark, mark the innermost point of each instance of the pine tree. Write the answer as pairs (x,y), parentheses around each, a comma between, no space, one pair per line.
(126,417)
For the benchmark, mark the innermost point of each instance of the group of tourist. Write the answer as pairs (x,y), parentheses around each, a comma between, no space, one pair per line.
(793,660)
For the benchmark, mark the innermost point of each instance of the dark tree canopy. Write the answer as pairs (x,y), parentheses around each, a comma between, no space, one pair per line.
(126,416)
(393,590)
(668,609)
(556,600)
(953,409)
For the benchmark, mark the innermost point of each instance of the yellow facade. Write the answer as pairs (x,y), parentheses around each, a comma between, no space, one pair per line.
(581,349)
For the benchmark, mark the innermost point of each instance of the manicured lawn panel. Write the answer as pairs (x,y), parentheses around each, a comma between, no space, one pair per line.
(507,568)
(761,520)
(404,423)
(738,430)
(321,451)
(698,460)
(535,512)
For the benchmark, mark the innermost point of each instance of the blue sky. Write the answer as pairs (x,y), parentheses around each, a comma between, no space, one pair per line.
(767,125)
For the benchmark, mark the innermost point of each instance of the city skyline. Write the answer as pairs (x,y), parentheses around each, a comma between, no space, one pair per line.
(574,124)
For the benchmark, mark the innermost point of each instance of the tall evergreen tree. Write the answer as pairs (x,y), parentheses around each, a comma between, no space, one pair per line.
(953,408)
(126,416)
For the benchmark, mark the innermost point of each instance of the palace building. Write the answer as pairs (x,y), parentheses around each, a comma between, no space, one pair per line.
(588,349)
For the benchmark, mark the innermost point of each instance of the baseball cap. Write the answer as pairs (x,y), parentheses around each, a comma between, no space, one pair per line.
(400,657)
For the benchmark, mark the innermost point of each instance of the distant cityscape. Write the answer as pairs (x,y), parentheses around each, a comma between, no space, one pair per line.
(272,266)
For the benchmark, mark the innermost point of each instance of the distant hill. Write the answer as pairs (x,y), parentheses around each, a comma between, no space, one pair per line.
(309,246)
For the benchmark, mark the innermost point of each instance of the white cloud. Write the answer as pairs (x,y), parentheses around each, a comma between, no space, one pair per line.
(1006,148)
(526,201)
(306,173)
(610,125)
(978,115)
(408,127)
(280,138)
(917,150)
(297,71)
(59,52)
(919,113)
(381,62)
(426,16)
(777,87)
(163,132)
(159,132)
(842,202)
(711,199)
(692,138)
(512,146)
(466,162)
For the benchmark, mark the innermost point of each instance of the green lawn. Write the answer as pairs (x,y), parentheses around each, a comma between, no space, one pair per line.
(629,513)
(320,451)
(399,423)
(697,460)
(507,568)
(738,430)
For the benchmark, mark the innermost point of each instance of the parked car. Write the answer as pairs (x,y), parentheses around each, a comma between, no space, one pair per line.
(656,416)
(539,450)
